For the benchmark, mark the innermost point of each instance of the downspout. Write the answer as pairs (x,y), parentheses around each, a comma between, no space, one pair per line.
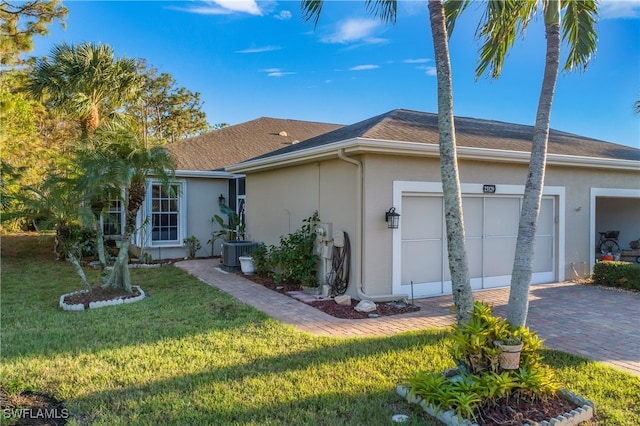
(360,237)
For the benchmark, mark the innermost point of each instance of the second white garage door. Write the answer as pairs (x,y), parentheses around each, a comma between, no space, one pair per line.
(491,228)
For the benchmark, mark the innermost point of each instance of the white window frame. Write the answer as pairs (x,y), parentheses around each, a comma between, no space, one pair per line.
(182,215)
(103,217)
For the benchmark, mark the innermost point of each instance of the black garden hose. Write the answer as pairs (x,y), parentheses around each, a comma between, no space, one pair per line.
(338,278)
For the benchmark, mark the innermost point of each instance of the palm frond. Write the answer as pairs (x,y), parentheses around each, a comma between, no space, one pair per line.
(386,10)
(501,23)
(579,31)
(311,10)
(452,10)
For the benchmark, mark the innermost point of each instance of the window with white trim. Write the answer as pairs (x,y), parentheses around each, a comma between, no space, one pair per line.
(112,223)
(166,213)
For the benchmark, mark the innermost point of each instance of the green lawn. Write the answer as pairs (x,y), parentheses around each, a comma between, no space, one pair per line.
(189,354)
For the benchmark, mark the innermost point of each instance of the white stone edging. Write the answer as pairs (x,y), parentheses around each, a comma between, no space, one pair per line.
(581,414)
(99,304)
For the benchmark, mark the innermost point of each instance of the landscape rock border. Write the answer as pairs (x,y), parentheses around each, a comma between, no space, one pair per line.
(581,414)
(99,304)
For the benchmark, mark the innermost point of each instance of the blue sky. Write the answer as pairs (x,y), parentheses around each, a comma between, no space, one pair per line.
(250,59)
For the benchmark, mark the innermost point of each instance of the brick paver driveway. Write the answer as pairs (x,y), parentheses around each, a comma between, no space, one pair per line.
(584,320)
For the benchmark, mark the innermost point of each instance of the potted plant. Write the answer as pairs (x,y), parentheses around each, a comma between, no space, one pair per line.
(510,349)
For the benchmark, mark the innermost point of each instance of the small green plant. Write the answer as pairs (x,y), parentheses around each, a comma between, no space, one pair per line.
(230,230)
(294,260)
(146,258)
(193,245)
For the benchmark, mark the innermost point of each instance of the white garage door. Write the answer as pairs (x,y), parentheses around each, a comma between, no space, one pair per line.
(491,229)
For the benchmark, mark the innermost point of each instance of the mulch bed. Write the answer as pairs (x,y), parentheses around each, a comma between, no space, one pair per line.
(516,412)
(99,294)
(330,306)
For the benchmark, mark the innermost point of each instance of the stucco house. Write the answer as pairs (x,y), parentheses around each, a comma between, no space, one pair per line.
(354,175)
(168,217)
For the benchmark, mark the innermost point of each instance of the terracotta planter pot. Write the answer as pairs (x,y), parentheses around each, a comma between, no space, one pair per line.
(509,355)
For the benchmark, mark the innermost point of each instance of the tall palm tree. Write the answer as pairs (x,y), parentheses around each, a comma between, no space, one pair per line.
(457,255)
(501,23)
(85,82)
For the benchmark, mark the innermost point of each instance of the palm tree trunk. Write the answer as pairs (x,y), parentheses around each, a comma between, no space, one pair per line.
(523,263)
(457,254)
(120,277)
(78,268)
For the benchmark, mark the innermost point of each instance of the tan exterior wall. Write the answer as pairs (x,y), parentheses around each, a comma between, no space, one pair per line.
(278,200)
(381,171)
(580,238)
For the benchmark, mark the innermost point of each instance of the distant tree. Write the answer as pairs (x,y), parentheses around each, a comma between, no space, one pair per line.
(20,21)
(31,139)
(164,112)
(85,82)
(457,254)
(219,126)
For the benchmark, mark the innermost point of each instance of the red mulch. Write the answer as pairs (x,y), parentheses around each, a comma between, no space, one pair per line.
(518,412)
(330,306)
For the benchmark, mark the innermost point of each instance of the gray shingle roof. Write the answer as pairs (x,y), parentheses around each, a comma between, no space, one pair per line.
(413,126)
(234,144)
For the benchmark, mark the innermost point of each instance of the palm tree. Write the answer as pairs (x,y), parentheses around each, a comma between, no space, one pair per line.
(457,255)
(502,22)
(129,165)
(85,82)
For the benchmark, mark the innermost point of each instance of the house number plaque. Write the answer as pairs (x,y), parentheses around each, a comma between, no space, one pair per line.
(489,189)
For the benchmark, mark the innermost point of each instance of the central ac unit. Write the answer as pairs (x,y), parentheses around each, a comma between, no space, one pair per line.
(232,250)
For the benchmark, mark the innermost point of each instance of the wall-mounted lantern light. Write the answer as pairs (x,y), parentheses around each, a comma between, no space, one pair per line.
(392,218)
(222,200)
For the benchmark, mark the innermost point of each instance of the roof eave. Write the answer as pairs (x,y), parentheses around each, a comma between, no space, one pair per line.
(206,174)
(388,147)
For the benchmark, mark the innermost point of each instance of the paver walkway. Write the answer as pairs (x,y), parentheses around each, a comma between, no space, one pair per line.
(597,323)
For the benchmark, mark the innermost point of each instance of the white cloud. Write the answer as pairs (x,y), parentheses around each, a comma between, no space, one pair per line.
(430,71)
(244,6)
(276,72)
(259,49)
(353,30)
(283,15)
(610,9)
(416,61)
(224,7)
(363,67)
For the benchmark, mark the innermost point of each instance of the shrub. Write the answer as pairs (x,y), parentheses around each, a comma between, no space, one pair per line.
(479,381)
(193,245)
(295,260)
(617,274)
(473,349)
(261,262)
